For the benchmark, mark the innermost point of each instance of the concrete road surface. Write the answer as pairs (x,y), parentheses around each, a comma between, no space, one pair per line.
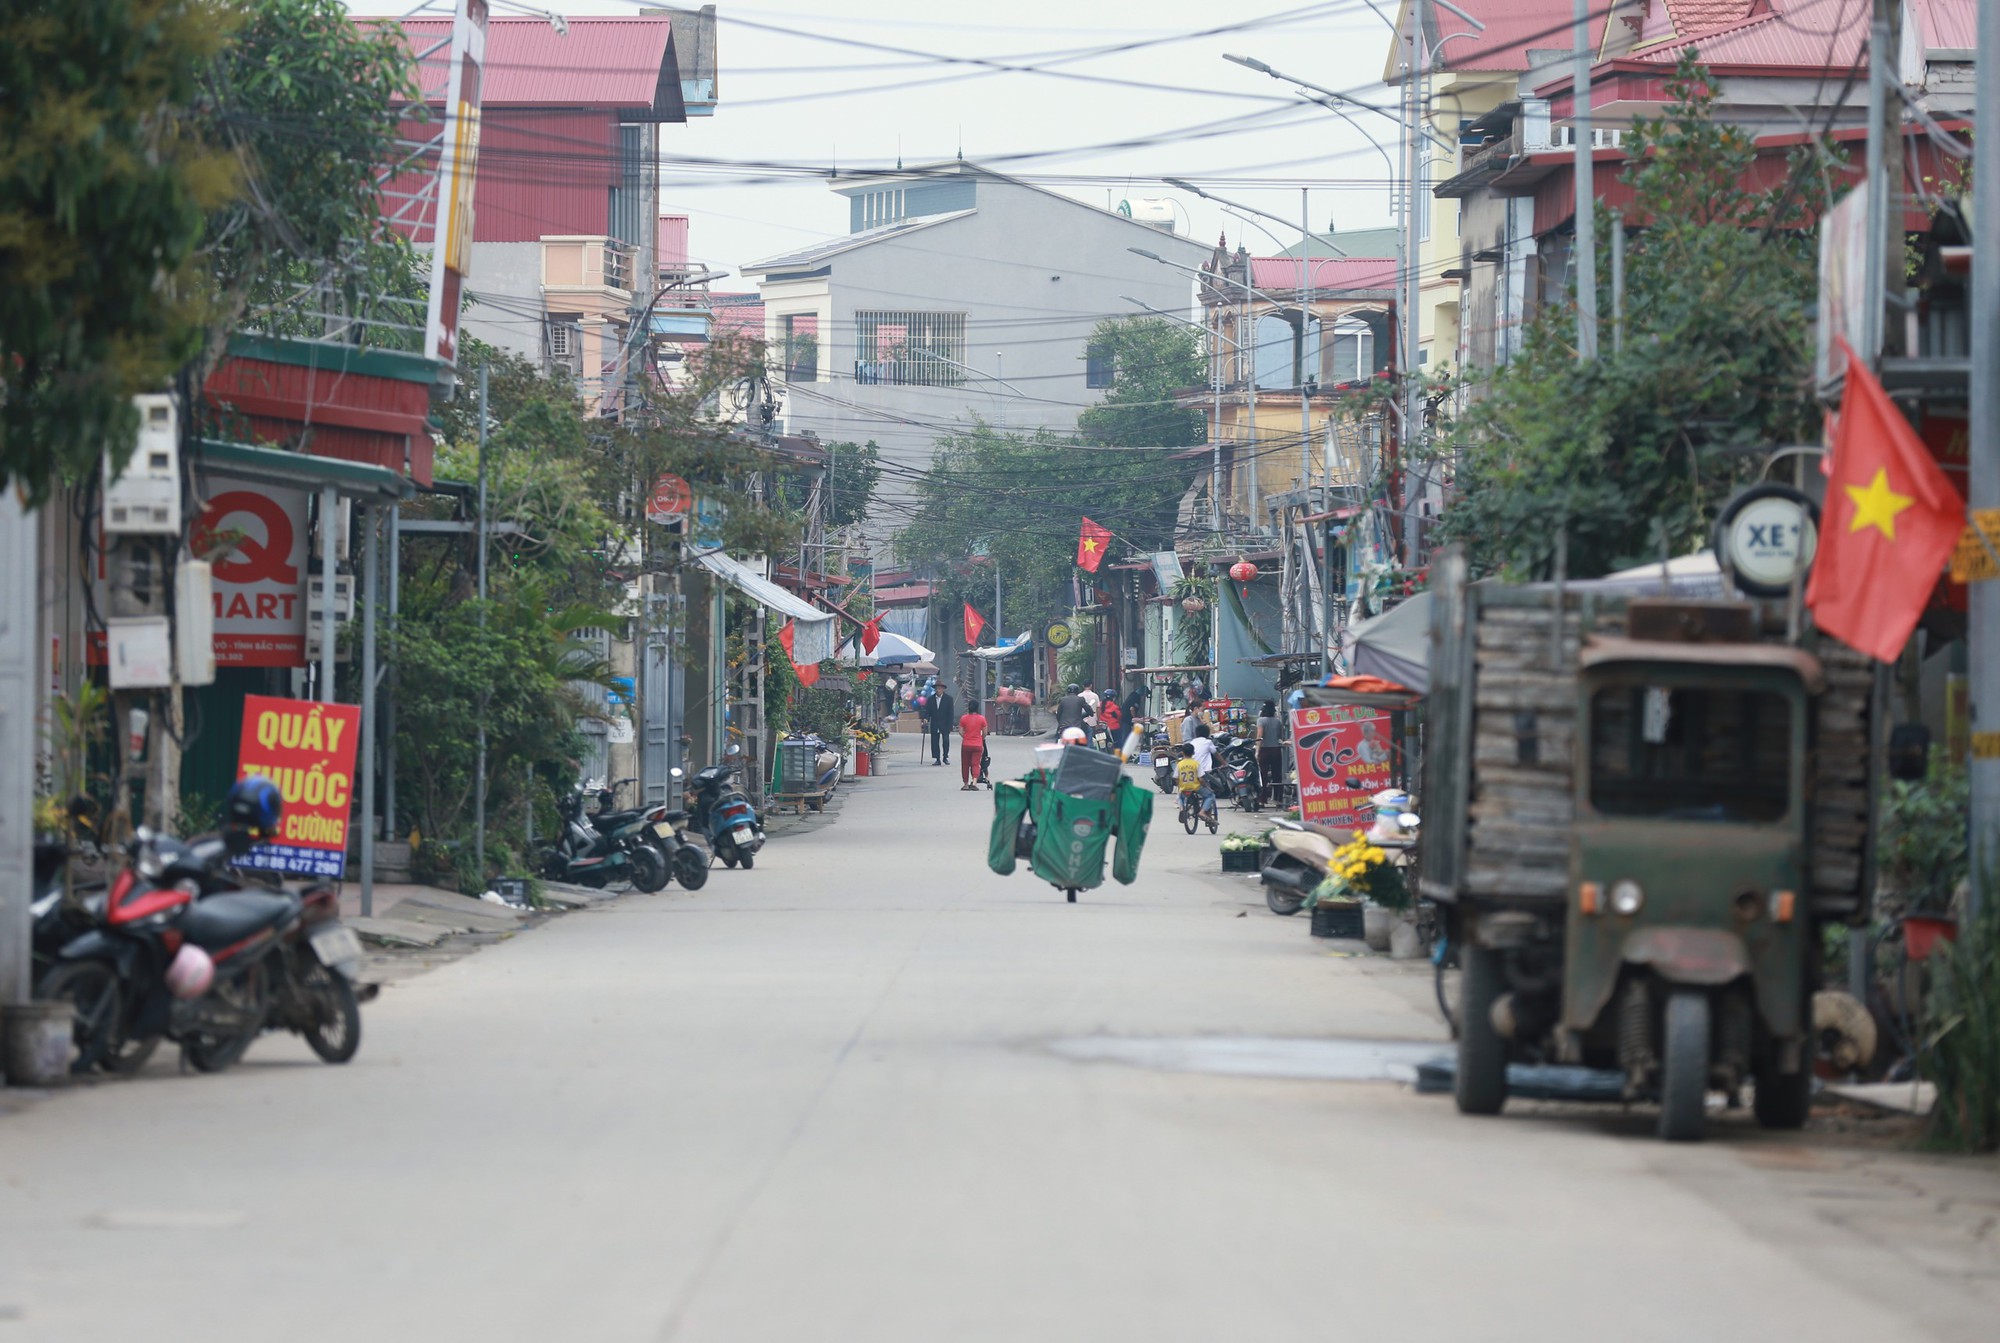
(871,1092)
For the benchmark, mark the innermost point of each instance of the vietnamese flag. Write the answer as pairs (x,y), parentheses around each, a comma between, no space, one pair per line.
(975,624)
(808,673)
(1891,521)
(871,635)
(1091,545)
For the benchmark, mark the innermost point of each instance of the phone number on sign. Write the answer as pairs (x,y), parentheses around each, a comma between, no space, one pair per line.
(299,862)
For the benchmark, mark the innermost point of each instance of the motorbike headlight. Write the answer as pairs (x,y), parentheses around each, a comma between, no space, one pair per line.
(1627,897)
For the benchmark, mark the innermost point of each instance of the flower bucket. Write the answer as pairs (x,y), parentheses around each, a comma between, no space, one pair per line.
(864,763)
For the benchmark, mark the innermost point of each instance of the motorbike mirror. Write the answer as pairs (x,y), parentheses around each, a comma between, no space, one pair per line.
(677,773)
(735,749)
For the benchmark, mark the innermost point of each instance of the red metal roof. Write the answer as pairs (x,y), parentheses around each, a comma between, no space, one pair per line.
(1513,28)
(1328,273)
(739,314)
(1691,17)
(1947,23)
(626,63)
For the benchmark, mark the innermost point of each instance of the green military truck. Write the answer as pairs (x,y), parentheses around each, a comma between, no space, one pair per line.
(1641,810)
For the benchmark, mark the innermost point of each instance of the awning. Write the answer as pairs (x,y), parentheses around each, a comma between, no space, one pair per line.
(812,640)
(1020,643)
(301,470)
(1396,645)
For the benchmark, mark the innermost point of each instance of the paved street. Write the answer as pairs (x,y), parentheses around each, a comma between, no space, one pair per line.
(818,1101)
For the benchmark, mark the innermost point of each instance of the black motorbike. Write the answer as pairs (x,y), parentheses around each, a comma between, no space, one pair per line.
(686,860)
(118,975)
(1237,761)
(1163,761)
(605,847)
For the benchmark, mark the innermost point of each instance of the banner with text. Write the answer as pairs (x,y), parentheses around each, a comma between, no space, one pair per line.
(1344,757)
(306,749)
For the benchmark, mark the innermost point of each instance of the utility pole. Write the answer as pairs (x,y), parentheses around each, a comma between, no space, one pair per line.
(1308,351)
(1985,453)
(479,778)
(1586,192)
(1617,280)
(1413,149)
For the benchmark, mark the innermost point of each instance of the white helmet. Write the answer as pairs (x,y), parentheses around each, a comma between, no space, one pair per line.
(1073,736)
(191,972)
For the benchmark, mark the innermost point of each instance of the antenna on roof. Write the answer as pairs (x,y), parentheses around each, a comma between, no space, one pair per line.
(899,153)
(961,142)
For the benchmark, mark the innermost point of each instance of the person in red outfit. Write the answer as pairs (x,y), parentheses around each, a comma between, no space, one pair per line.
(971,748)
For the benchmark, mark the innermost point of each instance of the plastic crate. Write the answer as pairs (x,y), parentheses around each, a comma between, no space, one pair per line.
(1242,860)
(1338,918)
(797,771)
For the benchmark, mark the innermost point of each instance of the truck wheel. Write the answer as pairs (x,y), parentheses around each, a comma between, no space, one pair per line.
(1481,1087)
(1782,1100)
(1684,1073)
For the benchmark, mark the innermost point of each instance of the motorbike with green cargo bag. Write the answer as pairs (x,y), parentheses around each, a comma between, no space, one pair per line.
(1063,818)
(1643,811)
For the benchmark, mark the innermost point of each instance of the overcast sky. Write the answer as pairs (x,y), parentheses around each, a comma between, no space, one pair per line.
(792,98)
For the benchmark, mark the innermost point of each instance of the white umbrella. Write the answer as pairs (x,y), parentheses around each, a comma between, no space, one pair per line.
(893,650)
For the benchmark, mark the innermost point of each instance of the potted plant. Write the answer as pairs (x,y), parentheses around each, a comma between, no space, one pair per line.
(1361,880)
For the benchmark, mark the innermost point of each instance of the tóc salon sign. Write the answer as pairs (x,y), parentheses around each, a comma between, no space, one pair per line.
(307,750)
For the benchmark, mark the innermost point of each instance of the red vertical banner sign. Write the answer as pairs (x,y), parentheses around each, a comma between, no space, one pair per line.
(458,162)
(307,749)
(1345,755)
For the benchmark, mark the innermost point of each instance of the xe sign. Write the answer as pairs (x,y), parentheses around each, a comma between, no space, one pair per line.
(256,536)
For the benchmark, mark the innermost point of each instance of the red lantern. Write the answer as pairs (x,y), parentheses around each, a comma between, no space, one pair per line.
(1243,571)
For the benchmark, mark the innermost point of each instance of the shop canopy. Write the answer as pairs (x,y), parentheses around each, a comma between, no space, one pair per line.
(1396,645)
(812,635)
(1020,643)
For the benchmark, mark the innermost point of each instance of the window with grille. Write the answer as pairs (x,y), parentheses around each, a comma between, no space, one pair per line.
(1100,369)
(910,349)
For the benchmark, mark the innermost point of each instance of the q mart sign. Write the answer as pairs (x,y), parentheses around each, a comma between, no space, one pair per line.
(260,608)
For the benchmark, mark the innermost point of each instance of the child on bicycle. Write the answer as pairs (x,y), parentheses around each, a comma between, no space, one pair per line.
(1188,779)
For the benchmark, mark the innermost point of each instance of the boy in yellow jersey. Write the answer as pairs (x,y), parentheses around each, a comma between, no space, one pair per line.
(1187,778)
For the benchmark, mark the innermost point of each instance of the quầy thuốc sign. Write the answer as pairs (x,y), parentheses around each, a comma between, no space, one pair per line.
(307,750)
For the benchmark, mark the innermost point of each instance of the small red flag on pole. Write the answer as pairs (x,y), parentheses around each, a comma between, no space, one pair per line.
(1091,545)
(871,635)
(975,624)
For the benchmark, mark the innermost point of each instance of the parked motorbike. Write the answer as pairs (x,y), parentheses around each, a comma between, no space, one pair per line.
(1302,852)
(720,812)
(314,994)
(686,860)
(1163,760)
(608,847)
(168,963)
(1237,758)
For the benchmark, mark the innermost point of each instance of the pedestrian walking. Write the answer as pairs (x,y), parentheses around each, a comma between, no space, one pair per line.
(944,717)
(971,749)
(1135,706)
(1270,753)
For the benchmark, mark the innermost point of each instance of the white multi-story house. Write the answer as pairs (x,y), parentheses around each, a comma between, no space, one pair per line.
(959,295)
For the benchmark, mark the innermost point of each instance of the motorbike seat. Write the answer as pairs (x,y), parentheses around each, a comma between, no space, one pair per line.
(612,820)
(223,920)
(678,814)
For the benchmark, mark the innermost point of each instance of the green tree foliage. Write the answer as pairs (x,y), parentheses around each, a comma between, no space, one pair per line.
(1639,448)
(567,480)
(304,100)
(1022,499)
(853,471)
(105,181)
(1151,360)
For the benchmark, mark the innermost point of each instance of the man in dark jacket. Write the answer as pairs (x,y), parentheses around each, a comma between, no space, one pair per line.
(1072,708)
(943,722)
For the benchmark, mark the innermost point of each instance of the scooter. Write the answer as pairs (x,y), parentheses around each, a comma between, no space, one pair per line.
(720,812)
(1302,852)
(686,860)
(1163,761)
(611,847)
(1238,760)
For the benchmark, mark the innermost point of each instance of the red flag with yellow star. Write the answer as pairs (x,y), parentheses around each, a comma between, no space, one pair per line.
(1891,521)
(1091,545)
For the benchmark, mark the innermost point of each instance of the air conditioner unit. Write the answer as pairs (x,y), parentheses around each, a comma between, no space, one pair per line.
(145,499)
